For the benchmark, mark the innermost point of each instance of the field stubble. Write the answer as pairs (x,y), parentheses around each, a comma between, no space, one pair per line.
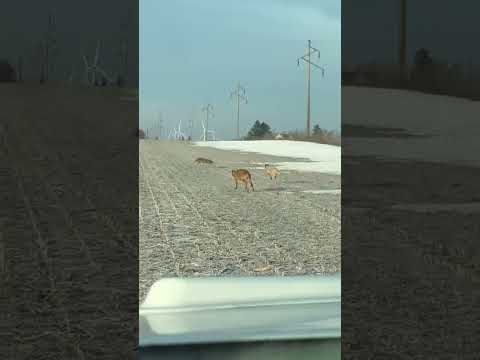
(194,223)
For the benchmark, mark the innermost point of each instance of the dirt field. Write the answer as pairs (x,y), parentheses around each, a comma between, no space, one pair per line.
(410,225)
(194,223)
(66,239)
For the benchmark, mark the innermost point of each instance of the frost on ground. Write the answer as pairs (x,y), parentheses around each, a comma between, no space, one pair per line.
(194,223)
(323,158)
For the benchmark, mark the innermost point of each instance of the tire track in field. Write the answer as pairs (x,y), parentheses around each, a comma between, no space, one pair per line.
(186,225)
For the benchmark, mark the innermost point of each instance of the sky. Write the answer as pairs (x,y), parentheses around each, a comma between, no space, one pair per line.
(194,52)
(447,28)
(80,24)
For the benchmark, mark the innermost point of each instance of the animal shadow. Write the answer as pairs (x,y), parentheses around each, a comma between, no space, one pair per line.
(276,188)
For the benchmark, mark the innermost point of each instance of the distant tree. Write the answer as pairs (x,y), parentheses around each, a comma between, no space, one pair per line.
(423,71)
(7,72)
(317,129)
(141,134)
(422,60)
(265,129)
(254,131)
(259,130)
(120,81)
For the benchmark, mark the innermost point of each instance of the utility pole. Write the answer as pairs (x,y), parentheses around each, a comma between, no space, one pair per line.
(160,125)
(307,58)
(19,69)
(50,45)
(239,94)
(190,123)
(123,53)
(402,51)
(190,128)
(208,109)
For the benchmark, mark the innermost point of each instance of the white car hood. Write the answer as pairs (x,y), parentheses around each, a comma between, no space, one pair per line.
(224,309)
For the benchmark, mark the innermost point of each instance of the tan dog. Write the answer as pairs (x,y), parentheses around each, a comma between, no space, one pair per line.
(243,176)
(203,161)
(272,172)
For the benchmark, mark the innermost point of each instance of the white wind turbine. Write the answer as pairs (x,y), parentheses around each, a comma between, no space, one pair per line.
(92,70)
(180,134)
(204,132)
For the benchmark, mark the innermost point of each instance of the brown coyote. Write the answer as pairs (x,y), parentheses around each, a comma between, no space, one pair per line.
(243,176)
(272,172)
(203,161)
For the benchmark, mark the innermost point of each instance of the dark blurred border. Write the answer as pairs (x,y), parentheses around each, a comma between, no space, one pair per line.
(410,181)
(69,180)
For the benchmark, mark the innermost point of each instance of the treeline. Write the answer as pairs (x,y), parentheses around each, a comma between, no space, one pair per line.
(426,74)
(262,131)
(7,72)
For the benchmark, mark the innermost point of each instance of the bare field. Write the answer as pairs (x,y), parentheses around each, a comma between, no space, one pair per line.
(66,242)
(194,223)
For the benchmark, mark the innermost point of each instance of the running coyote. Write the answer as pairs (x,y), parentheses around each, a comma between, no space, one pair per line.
(243,176)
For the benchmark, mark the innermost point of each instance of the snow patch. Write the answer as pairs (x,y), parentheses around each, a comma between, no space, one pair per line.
(324,158)
(333,191)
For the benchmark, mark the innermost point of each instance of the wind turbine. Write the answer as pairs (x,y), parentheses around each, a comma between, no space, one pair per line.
(208,109)
(92,70)
(204,132)
(180,134)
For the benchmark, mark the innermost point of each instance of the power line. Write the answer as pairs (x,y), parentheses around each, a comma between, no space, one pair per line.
(307,58)
(239,94)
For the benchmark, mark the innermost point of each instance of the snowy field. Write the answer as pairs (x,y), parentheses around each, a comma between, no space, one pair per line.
(450,126)
(321,158)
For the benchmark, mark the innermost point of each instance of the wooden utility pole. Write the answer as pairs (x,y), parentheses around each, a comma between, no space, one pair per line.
(50,45)
(402,51)
(20,69)
(239,94)
(307,58)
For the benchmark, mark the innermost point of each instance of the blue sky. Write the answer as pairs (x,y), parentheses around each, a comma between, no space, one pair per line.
(194,52)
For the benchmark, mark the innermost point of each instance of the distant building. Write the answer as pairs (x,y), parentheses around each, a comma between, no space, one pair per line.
(279,137)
